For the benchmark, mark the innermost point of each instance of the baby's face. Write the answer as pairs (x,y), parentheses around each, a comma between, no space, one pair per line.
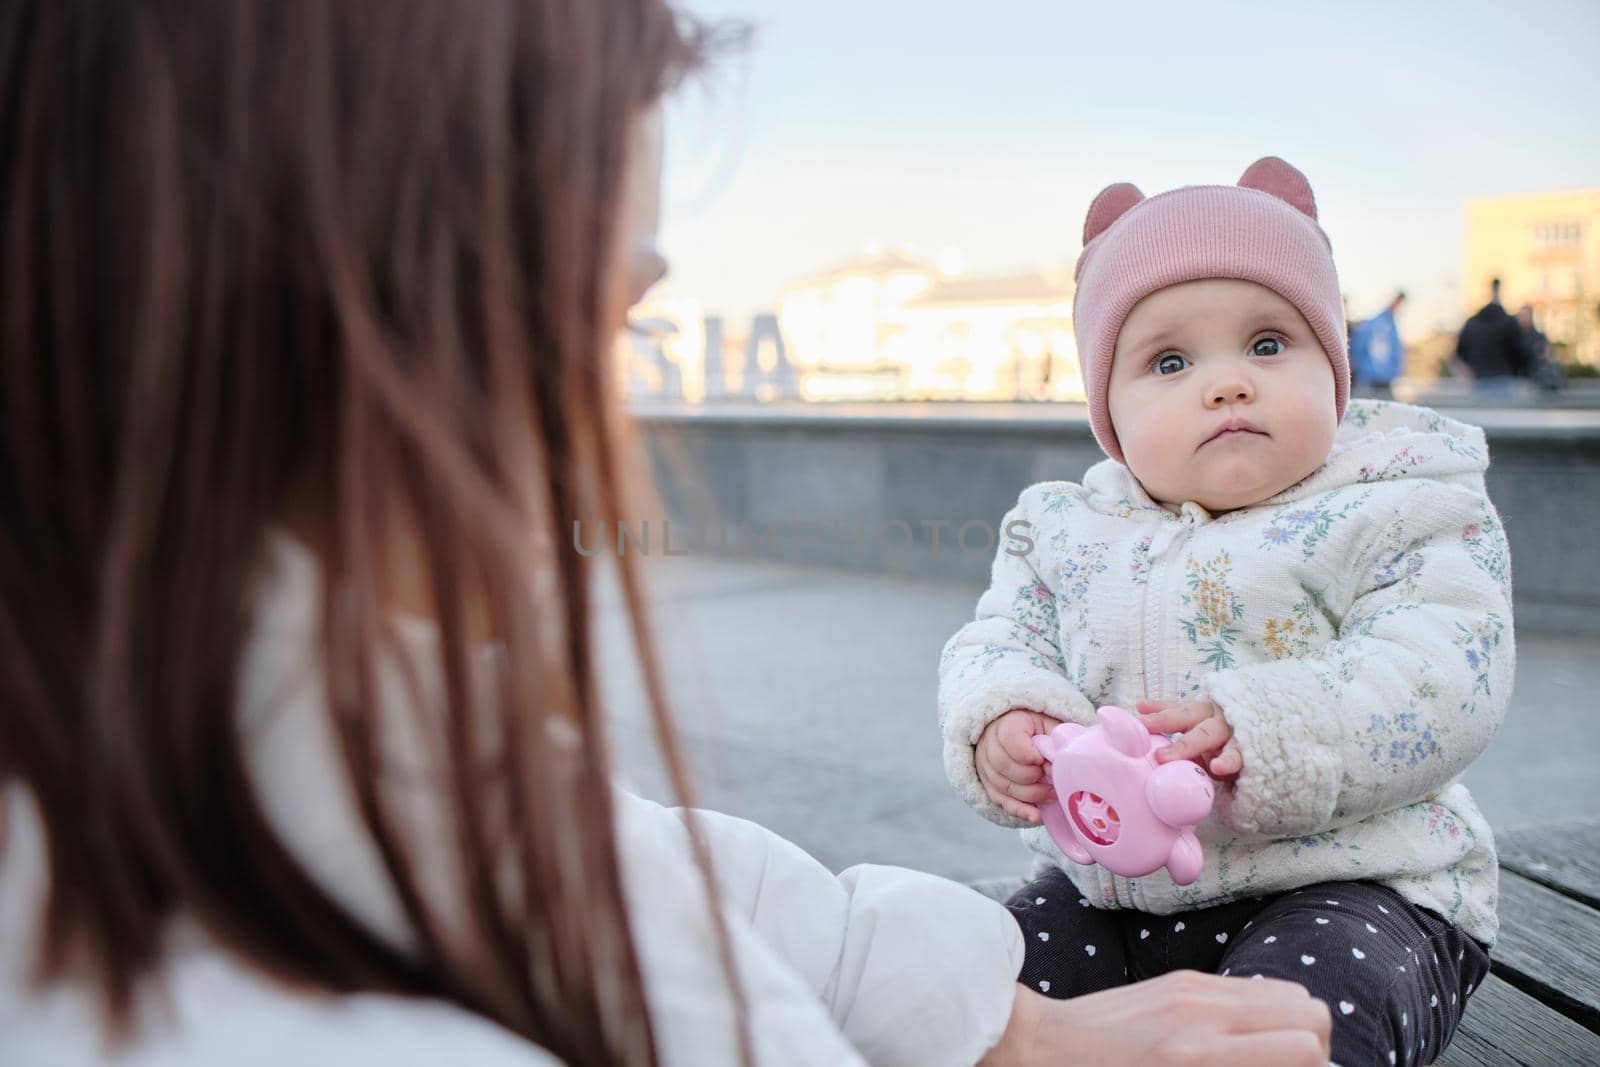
(1220,394)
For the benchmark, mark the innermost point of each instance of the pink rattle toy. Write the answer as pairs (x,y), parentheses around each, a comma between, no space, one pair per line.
(1116,806)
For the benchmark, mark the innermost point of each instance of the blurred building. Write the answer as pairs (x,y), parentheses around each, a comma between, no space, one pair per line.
(889,326)
(1545,249)
(840,324)
(1001,338)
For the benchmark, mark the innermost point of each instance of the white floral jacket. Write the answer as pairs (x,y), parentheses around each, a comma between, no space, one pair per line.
(1355,630)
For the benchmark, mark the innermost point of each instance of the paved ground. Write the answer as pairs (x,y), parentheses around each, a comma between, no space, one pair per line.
(806,699)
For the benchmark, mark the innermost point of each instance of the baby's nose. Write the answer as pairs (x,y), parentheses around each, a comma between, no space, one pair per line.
(1232,393)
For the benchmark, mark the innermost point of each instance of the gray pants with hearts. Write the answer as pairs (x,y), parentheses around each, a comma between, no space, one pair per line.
(1395,976)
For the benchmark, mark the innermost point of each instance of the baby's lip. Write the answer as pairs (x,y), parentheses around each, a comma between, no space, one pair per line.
(1235,426)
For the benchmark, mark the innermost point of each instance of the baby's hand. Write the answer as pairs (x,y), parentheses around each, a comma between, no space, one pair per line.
(1010,768)
(1207,738)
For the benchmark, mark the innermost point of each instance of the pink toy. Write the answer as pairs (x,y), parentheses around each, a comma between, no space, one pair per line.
(1116,805)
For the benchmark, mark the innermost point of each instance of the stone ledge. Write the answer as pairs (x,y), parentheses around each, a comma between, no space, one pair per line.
(928,470)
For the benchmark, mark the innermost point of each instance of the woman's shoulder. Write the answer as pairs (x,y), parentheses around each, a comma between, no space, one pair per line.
(212,1009)
(224,1012)
(205,1005)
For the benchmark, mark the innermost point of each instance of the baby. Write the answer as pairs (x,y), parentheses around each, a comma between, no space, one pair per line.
(1313,593)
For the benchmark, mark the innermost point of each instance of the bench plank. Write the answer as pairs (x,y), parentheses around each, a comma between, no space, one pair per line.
(1548,947)
(1503,1025)
(1564,857)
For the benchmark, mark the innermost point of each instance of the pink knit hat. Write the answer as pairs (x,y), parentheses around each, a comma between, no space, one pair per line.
(1263,230)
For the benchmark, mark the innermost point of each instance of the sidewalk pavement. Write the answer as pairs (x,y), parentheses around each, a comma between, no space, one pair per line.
(805,698)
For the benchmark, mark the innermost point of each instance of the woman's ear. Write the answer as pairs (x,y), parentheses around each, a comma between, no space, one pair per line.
(1110,205)
(1272,175)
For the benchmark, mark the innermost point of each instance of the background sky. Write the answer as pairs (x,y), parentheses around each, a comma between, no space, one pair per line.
(987,126)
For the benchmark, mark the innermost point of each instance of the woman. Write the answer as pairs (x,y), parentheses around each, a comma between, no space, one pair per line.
(304,310)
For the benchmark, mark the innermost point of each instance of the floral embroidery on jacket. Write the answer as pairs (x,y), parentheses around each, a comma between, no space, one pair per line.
(1126,508)
(1406,459)
(1141,559)
(1403,566)
(1308,522)
(1295,635)
(1478,645)
(1362,626)
(1395,738)
(1057,499)
(1034,622)
(1441,821)
(1359,413)
(1329,839)
(1215,610)
(1486,544)
(983,658)
(1098,689)
(1080,567)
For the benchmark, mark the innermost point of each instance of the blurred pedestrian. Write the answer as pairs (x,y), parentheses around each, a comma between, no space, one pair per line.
(1492,347)
(1546,371)
(1376,354)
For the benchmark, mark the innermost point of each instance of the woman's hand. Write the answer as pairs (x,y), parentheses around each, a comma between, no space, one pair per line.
(1207,738)
(1185,1017)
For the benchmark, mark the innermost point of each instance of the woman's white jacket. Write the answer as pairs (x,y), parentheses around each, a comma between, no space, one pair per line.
(876,965)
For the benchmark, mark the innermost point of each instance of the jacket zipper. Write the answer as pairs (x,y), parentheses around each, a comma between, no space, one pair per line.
(1168,539)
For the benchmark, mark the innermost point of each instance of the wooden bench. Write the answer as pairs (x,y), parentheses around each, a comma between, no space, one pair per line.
(1540,1005)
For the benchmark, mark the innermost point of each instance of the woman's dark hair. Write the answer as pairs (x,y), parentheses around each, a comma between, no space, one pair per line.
(352,260)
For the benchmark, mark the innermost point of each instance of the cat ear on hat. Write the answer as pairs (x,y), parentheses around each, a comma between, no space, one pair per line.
(1272,175)
(1110,205)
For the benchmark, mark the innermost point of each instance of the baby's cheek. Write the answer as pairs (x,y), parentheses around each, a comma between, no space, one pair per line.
(1175,481)
(1150,459)
(1309,448)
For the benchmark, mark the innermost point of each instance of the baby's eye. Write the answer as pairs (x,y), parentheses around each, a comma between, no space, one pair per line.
(1170,363)
(1267,346)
